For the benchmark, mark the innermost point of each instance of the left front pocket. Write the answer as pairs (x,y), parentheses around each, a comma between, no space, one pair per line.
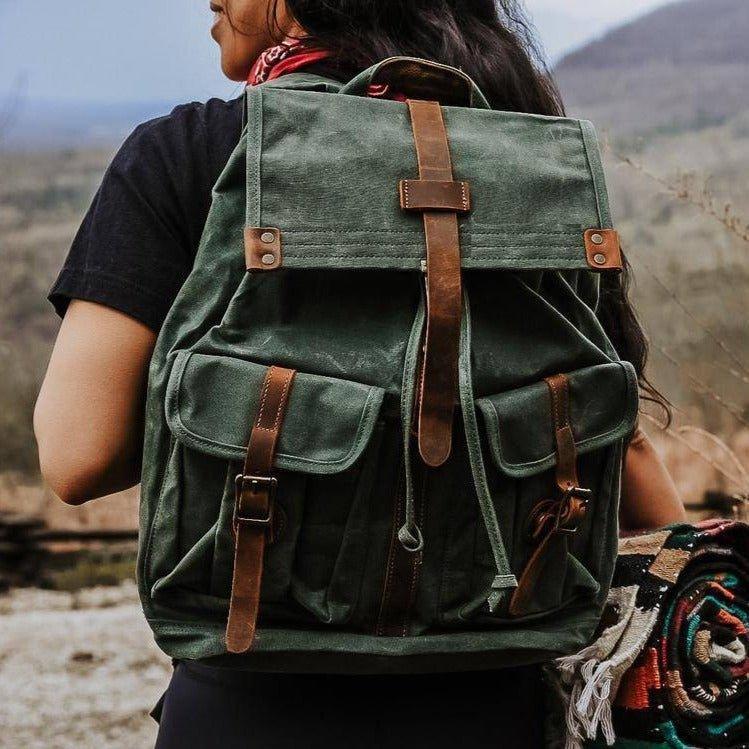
(326,465)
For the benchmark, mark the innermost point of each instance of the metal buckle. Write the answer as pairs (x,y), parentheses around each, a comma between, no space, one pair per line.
(576,492)
(270,482)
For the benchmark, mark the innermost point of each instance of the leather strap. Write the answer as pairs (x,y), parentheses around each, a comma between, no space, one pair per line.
(553,521)
(559,389)
(253,510)
(439,379)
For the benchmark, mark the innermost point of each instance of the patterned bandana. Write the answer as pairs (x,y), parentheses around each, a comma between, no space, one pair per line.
(287,57)
(294,54)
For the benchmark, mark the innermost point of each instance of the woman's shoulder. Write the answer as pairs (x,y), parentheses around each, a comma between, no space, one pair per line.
(195,132)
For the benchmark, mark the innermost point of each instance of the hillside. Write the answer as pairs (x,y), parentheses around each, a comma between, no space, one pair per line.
(669,91)
(681,67)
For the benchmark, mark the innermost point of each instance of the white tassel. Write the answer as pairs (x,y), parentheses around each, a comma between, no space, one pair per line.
(571,719)
(602,704)
(607,724)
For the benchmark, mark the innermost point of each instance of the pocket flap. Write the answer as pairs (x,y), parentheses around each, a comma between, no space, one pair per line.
(212,403)
(603,408)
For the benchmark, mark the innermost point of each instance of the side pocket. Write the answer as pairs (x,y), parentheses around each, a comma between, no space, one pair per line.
(325,464)
(520,442)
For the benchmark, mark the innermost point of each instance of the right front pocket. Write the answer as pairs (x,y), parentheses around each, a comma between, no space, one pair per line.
(520,458)
(326,465)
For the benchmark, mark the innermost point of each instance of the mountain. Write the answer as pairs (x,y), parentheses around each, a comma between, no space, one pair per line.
(683,66)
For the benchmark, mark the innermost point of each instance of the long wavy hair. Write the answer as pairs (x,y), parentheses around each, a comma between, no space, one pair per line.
(495,44)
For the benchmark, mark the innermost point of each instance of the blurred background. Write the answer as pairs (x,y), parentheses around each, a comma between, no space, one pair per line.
(667,84)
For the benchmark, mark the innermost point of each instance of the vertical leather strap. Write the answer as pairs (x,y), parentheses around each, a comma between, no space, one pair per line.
(253,510)
(439,379)
(559,389)
(553,521)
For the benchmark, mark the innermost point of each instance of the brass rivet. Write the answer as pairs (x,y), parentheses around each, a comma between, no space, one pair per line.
(599,258)
(268,259)
(268,237)
(596,238)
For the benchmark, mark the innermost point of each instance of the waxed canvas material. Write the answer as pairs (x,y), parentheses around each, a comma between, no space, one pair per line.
(534,181)
(346,311)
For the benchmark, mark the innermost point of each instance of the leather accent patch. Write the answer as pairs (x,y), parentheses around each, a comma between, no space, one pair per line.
(262,248)
(603,249)
(434,195)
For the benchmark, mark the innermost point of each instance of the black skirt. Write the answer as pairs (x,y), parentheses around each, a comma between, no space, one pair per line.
(208,707)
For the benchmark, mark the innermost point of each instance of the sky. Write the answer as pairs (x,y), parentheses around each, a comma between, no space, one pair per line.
(105,51)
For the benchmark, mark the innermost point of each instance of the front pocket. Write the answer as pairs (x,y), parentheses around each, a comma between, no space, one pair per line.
(520,456)
(326,463)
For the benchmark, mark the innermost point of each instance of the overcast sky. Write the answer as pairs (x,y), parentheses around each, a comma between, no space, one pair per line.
(136,50)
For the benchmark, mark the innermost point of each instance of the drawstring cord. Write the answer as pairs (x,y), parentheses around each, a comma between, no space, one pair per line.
(410,535)
(504,579)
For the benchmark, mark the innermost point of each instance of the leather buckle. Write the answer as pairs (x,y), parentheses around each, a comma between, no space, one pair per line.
(572,512)
(270,483)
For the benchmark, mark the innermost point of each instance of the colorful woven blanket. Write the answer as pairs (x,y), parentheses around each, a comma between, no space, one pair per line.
(670,667)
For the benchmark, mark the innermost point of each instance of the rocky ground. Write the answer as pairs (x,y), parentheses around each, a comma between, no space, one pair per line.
(77,670)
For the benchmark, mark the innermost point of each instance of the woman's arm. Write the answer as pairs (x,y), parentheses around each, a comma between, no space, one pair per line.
(88,418)
(649,496)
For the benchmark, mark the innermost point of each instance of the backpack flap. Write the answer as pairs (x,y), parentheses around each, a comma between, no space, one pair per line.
(212,402)
(324,171)
(603,409)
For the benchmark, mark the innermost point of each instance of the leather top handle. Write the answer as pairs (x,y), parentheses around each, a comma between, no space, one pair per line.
(420,79)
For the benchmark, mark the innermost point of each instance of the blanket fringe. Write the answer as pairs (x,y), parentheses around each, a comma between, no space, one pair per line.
(589,705)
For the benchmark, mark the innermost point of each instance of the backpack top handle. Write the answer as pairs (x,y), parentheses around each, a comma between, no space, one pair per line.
(420,79)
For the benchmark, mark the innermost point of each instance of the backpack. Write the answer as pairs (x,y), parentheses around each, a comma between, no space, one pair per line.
(384,426)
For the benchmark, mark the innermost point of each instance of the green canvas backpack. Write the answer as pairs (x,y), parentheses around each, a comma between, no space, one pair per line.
(384,424)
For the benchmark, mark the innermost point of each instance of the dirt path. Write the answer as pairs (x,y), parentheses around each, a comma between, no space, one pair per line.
(77,671)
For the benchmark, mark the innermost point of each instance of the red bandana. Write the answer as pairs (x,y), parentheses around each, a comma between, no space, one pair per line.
(292,55)
(287,57)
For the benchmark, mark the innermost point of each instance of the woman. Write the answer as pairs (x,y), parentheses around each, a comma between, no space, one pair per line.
(131,255)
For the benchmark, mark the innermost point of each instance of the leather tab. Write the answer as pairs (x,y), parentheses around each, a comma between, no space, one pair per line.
(603,249)
(253,510)
(439,370)
(433,195)
(262,248)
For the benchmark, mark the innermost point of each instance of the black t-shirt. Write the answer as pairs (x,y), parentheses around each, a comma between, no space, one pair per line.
(134,251)
(138,240)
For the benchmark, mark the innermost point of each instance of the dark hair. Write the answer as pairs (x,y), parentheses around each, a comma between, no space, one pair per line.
(619,319)
(493,42)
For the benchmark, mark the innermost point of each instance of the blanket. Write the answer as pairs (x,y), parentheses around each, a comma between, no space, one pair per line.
(669,666)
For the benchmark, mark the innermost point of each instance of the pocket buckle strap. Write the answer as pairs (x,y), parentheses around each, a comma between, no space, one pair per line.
(253,510)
